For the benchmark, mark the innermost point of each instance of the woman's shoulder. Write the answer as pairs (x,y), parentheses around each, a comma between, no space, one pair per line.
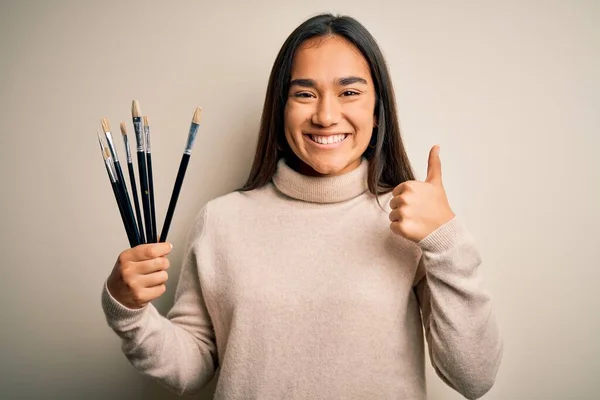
(219,212)
(238,201)
(237,198)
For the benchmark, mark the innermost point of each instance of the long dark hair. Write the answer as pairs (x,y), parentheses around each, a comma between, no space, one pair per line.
(388,163)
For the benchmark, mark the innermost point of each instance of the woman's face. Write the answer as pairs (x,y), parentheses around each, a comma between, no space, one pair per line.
(329,113)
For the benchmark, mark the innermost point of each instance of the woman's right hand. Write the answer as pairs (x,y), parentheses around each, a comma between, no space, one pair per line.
(140,274)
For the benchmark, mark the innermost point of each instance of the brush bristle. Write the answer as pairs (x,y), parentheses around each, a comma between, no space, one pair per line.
(197,115)
(123,129)
(106,152)
(146,121)
(135,109)
(105,125)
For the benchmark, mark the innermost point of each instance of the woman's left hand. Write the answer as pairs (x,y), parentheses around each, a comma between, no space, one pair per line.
(419,208)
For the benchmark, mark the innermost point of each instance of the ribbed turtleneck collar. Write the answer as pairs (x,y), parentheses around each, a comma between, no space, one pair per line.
(328,189)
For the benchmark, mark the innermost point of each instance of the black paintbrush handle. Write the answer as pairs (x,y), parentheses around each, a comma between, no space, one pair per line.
(116,191)
(136,202)
(141,159)
(174,196)
(127,203)
(151,195)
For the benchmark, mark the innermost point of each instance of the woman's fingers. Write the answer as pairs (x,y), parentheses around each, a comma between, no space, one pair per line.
(151,266)
(144,252)
(139,276)
(153,279)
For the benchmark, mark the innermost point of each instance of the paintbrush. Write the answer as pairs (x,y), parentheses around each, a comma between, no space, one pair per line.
(128,211)
(181,173)
(113,182)
(134,192)
(150,180)
(143,173)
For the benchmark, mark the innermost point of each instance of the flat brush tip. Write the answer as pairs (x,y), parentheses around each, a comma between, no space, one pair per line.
(146,121)
(197,115)
(105,125)
(123,129)
(106,152)
(135,109)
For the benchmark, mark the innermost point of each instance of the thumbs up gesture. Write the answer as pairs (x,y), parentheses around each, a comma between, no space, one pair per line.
(419,208)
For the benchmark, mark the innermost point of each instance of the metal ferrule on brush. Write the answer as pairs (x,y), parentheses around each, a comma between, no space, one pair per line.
(139,133)
(127,150)
(111,146)
(111,173)
(191,137)
(147,134)
(107,160)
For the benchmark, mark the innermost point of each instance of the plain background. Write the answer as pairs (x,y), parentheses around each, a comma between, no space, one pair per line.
(510,90)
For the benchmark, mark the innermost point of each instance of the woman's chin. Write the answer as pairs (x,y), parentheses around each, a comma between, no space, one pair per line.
(331,166)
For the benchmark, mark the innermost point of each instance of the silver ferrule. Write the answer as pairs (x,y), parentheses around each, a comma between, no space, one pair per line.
(139,136)
(111,146)
(110,171)
(127,150)
(147,134)
(191,138)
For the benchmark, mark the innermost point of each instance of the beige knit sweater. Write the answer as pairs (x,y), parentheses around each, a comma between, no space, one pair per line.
(300,290)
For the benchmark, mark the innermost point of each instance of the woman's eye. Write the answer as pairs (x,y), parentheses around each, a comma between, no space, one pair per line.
(303,95)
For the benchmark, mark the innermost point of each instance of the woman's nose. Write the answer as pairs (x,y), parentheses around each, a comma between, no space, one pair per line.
(328,111)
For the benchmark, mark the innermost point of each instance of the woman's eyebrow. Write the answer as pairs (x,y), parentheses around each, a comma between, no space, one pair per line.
(310,83)
(349,80)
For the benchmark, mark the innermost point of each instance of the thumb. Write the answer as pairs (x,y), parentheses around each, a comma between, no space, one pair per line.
(434,166)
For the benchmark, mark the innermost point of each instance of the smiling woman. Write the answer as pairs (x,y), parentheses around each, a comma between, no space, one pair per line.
(330,113)
(298,286)
(330,79)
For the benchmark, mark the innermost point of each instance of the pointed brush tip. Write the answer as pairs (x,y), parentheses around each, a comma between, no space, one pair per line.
(123,129)
(145,121)
(197,115)
(100,141)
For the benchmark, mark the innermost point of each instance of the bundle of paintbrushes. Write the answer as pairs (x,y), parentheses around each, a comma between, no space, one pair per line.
(140,229)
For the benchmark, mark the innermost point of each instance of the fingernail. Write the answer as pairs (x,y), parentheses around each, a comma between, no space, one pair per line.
(171,244)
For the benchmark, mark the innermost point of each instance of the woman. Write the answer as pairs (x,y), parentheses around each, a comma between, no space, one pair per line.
(297,286)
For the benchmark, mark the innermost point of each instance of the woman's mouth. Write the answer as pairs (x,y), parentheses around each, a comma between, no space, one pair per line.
(329,141)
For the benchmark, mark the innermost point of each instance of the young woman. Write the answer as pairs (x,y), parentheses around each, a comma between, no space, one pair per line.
(320,278)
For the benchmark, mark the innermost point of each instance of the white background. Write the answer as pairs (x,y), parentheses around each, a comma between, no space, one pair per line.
(510,90)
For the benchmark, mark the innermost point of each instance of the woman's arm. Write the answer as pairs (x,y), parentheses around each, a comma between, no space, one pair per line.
(178,351)
(465,345)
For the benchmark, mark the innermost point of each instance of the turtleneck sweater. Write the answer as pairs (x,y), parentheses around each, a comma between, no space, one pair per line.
(300,290)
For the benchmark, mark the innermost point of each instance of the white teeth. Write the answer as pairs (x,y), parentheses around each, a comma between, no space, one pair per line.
(328,139)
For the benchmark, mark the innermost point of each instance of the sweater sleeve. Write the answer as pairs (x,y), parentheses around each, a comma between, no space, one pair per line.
(178,350)
(464,340)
